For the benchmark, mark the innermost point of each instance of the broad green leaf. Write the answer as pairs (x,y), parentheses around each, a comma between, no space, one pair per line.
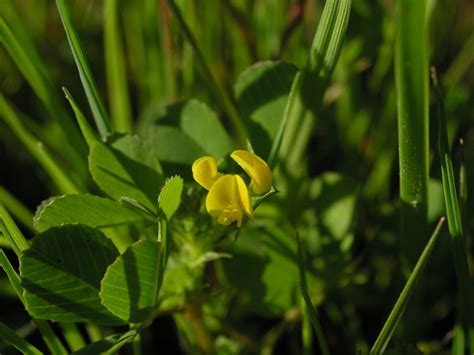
(125,167)
(262,92)
(61,274)
(170,196)
(267,256)
(183,132)
(130,285)
(110,344)
(94,211)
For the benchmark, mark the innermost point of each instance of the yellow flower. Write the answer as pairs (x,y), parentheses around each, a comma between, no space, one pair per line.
(228,200)
(205,171)
(256,168)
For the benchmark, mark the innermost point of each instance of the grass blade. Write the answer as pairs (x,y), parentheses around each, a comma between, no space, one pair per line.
(20,211)
(398,309)
(11,231)
(310,85)
(37,149)
(455,225)
(115,70)
(411,79)
(32,70)
(87,131)
(221,94)
(16,341)
(88,83)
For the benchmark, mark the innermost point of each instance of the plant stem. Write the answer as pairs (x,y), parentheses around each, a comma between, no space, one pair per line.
(193,314)
(20,211)
(221,95)
(411,78)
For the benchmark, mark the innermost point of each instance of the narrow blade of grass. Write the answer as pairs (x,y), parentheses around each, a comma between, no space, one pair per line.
(11,231)
(310,85)
(19,211)
(87,131)
(411,79)
(455,225)
(37,149)
(220,93)
(50,338)
(115,70)
(88,83)
(32,70)
(310,309)
(399,308)
(12,338)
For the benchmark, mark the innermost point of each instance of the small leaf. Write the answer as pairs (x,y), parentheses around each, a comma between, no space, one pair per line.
(130,285)
(183,132)
(125,167)
(61,274)
(94,211)
(170,196)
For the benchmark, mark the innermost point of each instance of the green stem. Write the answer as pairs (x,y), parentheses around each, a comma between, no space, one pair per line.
(220,93)
(73,336)
(411,78)
(115,69)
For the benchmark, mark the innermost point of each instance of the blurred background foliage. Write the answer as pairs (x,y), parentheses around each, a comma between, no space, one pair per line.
(349,205)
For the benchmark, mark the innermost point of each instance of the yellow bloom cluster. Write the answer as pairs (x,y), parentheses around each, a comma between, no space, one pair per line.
(229,198)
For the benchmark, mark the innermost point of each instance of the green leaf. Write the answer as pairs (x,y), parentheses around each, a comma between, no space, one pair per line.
(93,211)
(130,285)
(88,83)
(61,274)
(267,256)
(110,344)
(262,92)
(170,196)
(125,167)
(183,132)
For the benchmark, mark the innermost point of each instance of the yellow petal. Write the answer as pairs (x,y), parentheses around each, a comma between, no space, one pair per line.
(256,168)
(205,171)
(228,199)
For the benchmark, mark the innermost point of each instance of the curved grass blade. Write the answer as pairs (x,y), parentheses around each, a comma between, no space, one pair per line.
(115,70)
(398,309)
(88,83)
(453,212)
